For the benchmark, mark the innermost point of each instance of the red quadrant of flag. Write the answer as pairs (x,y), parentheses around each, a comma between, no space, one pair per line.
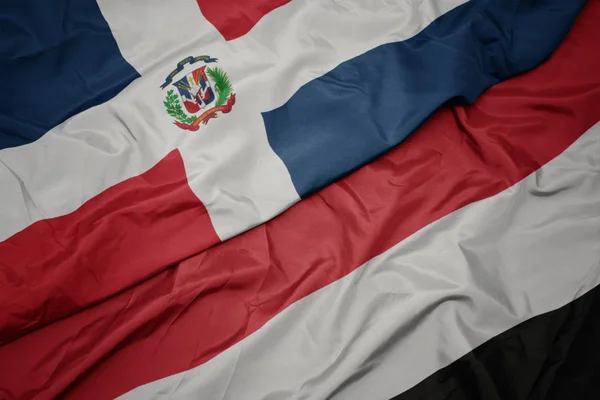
(235,18)
(126,234)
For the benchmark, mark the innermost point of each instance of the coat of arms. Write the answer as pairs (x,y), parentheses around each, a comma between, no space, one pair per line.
(196,96)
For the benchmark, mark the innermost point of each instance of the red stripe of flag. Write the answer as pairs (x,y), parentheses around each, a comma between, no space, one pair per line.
(188,314)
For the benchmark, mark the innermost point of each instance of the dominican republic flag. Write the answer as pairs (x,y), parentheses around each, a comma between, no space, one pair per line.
(305,199)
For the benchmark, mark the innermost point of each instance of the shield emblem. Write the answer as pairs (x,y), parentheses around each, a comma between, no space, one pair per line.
(205,92)
(195,90)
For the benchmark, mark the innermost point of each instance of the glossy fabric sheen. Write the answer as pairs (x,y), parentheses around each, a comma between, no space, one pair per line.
(57,59)
(426,301)
(367,105)
(186,315)
(553,356)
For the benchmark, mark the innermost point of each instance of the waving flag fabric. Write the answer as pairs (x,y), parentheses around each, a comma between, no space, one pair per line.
(135,138)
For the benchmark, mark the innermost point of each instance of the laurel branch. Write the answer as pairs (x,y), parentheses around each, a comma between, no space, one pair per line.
(175,109)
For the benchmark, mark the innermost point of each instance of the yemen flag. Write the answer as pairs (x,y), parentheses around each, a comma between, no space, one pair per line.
(447,244)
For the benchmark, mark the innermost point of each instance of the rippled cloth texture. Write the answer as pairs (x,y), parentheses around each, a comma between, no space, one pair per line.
(190,313)
(73,217)
(119,285)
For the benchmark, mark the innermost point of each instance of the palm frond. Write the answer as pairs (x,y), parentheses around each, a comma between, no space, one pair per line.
(222,84)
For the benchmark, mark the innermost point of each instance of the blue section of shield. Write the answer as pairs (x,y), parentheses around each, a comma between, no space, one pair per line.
(369,104)
(184,88)
(57,58)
